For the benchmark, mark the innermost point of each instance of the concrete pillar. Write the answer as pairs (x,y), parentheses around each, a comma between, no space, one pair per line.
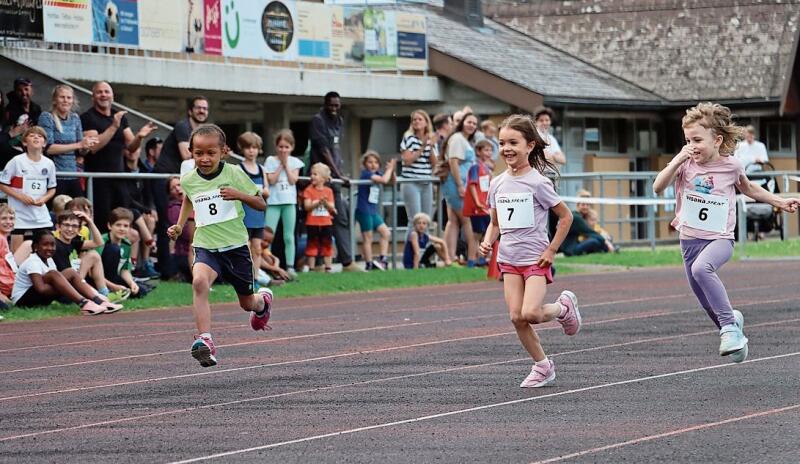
(276,117)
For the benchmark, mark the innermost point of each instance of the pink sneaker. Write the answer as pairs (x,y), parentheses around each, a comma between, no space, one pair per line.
(260,323)
(539,376)
(90,308)
(111,307)
(571,322)
(204,351)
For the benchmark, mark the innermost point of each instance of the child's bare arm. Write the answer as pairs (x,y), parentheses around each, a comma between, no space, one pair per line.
(415,248)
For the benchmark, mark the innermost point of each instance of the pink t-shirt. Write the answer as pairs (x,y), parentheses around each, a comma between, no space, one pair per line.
(718,178)
(521,204)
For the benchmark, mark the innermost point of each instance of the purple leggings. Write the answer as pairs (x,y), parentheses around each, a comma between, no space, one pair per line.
(702,259)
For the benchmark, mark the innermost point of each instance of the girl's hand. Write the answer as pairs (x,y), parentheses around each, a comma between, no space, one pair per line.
(461,191)
(546,259)
(174,231)
(685,154)
(265,192)
(134,288)
(230,193)
(790,205)
(88,142)
(484,248)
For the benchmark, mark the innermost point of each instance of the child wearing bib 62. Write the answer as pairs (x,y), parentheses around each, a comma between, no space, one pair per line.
(519,200)
(215,191)
(706,177)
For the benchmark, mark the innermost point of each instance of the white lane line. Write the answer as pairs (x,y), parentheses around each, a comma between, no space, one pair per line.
(273,340)
(658,436)
(217,329)
(330,356)
(254,342)
(477,408)
(372,381)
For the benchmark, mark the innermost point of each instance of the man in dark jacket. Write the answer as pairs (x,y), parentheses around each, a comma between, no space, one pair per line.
(20,101)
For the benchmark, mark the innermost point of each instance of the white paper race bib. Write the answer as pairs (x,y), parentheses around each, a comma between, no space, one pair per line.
(34,187)
(704,211)
(320,211)
(210,208)
(483,182)
(283,186)
(11,262)
(515,210)
(374,194)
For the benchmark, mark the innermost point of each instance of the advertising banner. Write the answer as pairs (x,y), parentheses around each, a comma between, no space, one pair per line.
(193,31)
(347,36)
(380,38)
(68,21)
(161,24)
(116,22)
(314,31)
(259,29)
(22,19)
(412,48)
(212,19)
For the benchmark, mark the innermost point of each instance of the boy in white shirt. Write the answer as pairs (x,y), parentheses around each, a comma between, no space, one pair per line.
(29,180)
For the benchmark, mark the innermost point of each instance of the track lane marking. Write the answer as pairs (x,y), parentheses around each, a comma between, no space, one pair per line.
(476,408)
(672,433)
(373,381)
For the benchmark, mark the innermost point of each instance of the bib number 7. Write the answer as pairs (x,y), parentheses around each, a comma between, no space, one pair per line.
(515,210)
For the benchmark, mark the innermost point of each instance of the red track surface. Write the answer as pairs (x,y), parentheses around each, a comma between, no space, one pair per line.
(416,375)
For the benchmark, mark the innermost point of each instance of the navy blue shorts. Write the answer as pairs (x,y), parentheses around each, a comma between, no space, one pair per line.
(234,266)
(480,223)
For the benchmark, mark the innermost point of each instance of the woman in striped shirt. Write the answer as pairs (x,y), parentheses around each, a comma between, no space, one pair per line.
(418,152)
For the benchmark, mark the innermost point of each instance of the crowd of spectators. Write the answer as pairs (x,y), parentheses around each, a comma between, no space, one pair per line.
(116,244)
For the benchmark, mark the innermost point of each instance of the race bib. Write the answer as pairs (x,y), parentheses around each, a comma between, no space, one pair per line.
(704,211)
(483,182)
(210,208)
(374,194)
(515,210)
(11,263)
(320,211)
(283,186)
(34,187)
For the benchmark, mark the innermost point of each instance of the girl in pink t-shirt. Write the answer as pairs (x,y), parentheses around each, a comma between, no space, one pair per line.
(706,177)
(519,200)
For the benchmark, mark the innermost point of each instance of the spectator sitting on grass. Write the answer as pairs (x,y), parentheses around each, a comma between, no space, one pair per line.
(270,264)
(592,219)
(38,282)
(116,253)
(420,247)
(8,266)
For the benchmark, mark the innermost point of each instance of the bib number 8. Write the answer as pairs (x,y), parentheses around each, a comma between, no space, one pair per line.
(212,209)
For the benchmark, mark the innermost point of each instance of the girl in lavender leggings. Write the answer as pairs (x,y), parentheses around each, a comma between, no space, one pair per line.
(706,177)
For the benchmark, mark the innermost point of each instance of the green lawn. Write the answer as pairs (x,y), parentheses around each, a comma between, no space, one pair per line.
(172,294)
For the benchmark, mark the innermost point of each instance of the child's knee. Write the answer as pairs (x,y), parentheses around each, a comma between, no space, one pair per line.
(534,315)
(200,284)
(702,269)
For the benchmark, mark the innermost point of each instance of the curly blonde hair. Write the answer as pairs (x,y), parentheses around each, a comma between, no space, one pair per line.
(719,121)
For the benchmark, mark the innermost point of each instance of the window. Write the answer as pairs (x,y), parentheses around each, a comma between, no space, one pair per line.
(645,136)
(779,136)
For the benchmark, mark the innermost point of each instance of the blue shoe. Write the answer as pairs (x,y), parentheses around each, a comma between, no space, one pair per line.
(731,339)
(741,355)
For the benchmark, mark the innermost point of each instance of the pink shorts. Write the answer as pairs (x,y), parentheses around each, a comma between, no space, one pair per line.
(527,271)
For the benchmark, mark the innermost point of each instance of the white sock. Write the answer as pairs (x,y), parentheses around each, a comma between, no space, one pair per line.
(206,334)
(543,363)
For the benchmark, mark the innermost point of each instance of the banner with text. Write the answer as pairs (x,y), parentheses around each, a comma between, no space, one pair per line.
(116,22)
(22,19)
(68,21)
(262,29)
(412,46)
(314,32)
(380,38)
(161,25)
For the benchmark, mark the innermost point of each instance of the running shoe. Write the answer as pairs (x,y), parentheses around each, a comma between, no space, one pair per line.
(741,355)
(204,351)
(260,322)
(731,339)
(119,296)
(376,264)
(90,308)
(571,321)
(111,307)
(539,376)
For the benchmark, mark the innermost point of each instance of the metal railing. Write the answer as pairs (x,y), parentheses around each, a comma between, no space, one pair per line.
(647,203)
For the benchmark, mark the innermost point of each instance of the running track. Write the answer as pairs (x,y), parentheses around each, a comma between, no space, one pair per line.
(418,375)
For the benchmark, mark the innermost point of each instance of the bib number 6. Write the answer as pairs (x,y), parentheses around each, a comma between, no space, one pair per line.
(703,214)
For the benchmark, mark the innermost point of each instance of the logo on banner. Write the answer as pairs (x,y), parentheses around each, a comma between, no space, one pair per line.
(232,41)
(277,26)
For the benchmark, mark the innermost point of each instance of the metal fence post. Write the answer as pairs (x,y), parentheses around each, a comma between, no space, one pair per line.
(394,225)
(352,210)
(90,189)
(742,221)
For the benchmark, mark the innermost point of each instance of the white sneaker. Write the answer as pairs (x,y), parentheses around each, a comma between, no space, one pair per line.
(305,269)
(741,355)
(731,339)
